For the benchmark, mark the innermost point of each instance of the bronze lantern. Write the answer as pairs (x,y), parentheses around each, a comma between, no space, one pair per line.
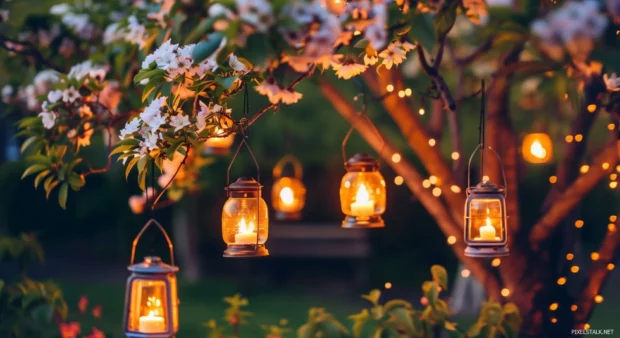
(151,301)
(485,221)
(288,194)
(362,193)
(245,220)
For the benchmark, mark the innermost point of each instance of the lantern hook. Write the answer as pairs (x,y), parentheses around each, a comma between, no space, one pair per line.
(500,165)
(137,239)
(288,159)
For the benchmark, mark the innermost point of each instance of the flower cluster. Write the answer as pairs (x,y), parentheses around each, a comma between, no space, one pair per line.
(78,22)
(254,15)
(573,26)
(133,32)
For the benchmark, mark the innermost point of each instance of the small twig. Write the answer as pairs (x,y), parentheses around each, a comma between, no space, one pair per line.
(187,148)
(485,47)
(440,83)
(27,48)
(105,169)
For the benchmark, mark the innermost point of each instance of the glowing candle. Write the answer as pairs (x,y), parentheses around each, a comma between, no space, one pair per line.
(246,234)
(537,150)
(287,198)
(363,206)
(487,232)
(151,324)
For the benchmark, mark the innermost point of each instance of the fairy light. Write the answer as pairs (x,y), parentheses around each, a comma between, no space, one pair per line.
(389,88)
(505,292)
(485,178)
(396,158)
(437,192)
(433,179)
(565,96)
(611,126)
(595,256)
(426,184)
(578,137)
(401,93)
(455,189)
(561,280)
(451,240)
(553,179)
(613,177)
(613,184)
(574,307)
(465,273)
(496,262)
(569,138)
(554,306)
(574,269)
(618,168)
(598,299)
(431,142)
(398,180)
(613,218)
(356,33)
(554,320)
(605,166)
(591,108)
(584,168)
(586,326)
(408,92)
(610,266)
(569,256)
(388,285)
(421,111)
(579,224)
(455,156)
(611,227)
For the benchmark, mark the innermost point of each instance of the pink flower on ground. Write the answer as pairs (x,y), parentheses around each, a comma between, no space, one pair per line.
(69,330)
(96,334)
(97,311)
(83,304)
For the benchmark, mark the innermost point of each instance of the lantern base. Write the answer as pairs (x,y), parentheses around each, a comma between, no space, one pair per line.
(352,222)
(287,216)
(216,151)
(482,252)
(148,335)
(246,250)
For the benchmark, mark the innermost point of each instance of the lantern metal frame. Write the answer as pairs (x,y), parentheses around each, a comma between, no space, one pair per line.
(246,187)
(153,269)
(366,164)
(278,174)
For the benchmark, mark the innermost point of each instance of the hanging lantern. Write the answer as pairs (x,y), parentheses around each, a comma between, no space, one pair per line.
(338,7)
(362,193)
(288,194)
(220,146)
(245,220)
(537,148)
(151,302)
(485,221)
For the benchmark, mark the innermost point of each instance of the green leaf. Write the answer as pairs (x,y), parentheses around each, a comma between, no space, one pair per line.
(201,29)
(33,169)
(62,195)
(373,296)
(28,143)
(76,181)
(142,180)
(475,329)
(359,320)
(431,291)
(121,149)
(60,151)
(147,74)
(206,48)
(130,165)
(39,159)
(39,177)
(422,30)
(402,316)
(450,326)
(166,89)
(227,82)
(444,20)
(378,332)
(257,50)
(127,142)
(363,43)
(51,187)
(440,275)
(393,303)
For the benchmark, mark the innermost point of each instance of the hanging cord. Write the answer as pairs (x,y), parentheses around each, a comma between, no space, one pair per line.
(244,136)
(481,128)
(362,113)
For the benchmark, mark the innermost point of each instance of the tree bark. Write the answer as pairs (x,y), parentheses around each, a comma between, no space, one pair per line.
(184,234)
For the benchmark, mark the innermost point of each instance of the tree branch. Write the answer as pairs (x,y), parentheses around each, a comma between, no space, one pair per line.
(438,80)
(28,49)
(573,195)
(485,47)
(414,181)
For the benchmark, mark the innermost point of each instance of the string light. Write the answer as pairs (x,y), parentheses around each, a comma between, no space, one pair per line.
(579,224)
(388,285)
(431,142)
(586,326)
(389,88)
(618,168)
(578,137)
(569,138)
(505,292)
(613,218)
(611,126)
(553,179)
(561,280)
(553,306)
(611,227)
(613,184)
(398,180)
(574,307)
(421,111)
(610,266)
(569,256)
(356,33)
(455,189)
(455,156)
(598,299)
(408,92)
(465,273)
(396,158)
(591,108)
(554,320)
(613,177)
(437,192)
(574,269)
(433,179)
(595,256)
(565,96)
(426,184)
(401,93)
(584,168)
(605,166)
(451,240)
(496,262)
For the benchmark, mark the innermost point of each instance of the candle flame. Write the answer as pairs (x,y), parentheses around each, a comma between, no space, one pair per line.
(489,222)
(246,228)
(154,306)
(538,150)
(362,194)
(286,196)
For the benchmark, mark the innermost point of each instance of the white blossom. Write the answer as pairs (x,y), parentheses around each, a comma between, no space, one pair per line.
(60,9)
(394,55)
(152,115)
(7,92)
(179,121)
(48,119)
(130,128)
(270,89)
(235,64)
(70,94)
(612,82)
(201,117)
(256,13)
(348,69)
(289,96)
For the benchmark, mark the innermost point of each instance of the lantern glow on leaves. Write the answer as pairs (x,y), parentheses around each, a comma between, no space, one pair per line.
(537,148)
(288,194)
(220,146)
(362,193)
(151,302)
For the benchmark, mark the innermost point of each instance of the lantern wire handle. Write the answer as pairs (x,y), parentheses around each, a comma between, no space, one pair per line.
(288,159)
(137,239)
(364,114)
(244,136)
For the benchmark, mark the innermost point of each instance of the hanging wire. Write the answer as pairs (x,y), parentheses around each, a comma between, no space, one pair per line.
(482,135)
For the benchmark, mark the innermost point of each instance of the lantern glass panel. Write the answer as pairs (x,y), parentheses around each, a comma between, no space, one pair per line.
(362,194)
(486,220)
(175,302)
(288,195)
(240,221)
(148,310)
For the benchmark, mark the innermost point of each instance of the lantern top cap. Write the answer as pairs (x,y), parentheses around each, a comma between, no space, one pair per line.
(154,265)
(486,187)
(245,184)
(362,162)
